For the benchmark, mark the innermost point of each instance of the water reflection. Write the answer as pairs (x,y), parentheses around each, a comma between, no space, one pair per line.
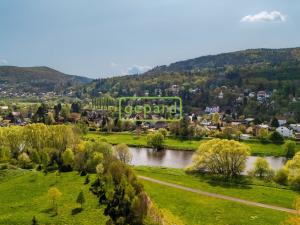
(181,159)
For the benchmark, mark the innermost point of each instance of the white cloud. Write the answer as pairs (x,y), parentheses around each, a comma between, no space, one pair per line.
(265,16)
(136,69)
(3,62)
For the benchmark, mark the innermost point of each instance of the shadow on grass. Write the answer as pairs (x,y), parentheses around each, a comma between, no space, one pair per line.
(240,182)
(50,211)
(76,211)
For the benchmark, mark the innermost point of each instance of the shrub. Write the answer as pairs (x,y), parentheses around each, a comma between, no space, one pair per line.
(262,169)
(155,140)
(289,148)
(163,131)
(276,137)
(281,176)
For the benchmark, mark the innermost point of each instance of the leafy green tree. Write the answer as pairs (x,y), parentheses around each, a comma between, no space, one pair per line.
(156,140)
(276,137)
(68,157)
(54,194)
(274,122)
(35,157)
(45,159)
(49,119)
(289,148)
(262,168)
(293,169)
(24,161)
(122,194)
(4,154)
(34,221)
(163,131)
(123,153)
(223,157)
(80,199)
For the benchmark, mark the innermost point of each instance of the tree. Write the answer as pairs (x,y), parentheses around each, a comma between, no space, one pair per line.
(68,157)
(293,169)
(276,137)
(24,161)
(123,153)
(65,112)
(87,179)
(224,157)
(45,159)
(289,148)
(163,131)
(274,122)
(4,154)
(155,140)
(122,194)
(34,221)
(80,199)
(49,119)
(215,118)
(54,194)
(262,168)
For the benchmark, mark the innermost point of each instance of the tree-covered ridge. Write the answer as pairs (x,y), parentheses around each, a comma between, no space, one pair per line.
(231,81)
(37,79)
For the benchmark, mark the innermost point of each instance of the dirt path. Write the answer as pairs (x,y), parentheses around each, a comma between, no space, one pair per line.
(228,198)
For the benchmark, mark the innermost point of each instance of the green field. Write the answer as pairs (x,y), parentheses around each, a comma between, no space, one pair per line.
(133,140)
(24,195)
(194,209)
(258,191)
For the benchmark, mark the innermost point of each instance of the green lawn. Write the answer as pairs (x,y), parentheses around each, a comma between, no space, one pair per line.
(258,191)
(194,209)
(24,194)
(133,140)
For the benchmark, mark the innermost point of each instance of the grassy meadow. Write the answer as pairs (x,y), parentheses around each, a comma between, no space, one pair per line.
(253,190)
(24,194)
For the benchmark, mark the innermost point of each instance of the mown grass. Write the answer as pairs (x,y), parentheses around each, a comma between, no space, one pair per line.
(254,190)
(194,209)
(256,147)
(24,194)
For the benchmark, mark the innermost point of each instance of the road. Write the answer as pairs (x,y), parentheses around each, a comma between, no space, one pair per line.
(224,197)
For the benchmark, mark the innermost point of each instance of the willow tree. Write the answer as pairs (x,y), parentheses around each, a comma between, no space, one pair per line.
(223,157)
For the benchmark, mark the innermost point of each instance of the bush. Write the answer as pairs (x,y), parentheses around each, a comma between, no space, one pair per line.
(155,140)
(281,176)
(289,149)
(276,137)
(163,131)
(262,169)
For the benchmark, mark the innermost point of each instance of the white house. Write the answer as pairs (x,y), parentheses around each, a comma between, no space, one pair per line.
(245,136)
(284,131)
(295,127)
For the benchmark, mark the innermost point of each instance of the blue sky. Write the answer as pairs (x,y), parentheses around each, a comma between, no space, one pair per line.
(100,38)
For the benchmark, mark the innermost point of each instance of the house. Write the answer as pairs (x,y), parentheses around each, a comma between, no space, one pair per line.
(282,121)
(261,95)
(245,136)
(251,95)
(221,95)
(295,127)
(297,136)
(284,131)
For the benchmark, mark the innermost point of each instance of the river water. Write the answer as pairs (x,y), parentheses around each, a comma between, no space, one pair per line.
(181,159)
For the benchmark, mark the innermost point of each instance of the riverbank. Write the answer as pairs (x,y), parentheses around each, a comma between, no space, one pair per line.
(257,148)
(244,188)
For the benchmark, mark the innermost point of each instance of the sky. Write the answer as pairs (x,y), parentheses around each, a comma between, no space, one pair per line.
(102,38)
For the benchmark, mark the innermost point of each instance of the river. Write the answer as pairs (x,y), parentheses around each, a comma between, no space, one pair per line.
(181,159)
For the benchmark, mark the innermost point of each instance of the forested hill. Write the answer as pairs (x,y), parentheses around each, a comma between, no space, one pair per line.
(229,80)
(233,59)
(36,79)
